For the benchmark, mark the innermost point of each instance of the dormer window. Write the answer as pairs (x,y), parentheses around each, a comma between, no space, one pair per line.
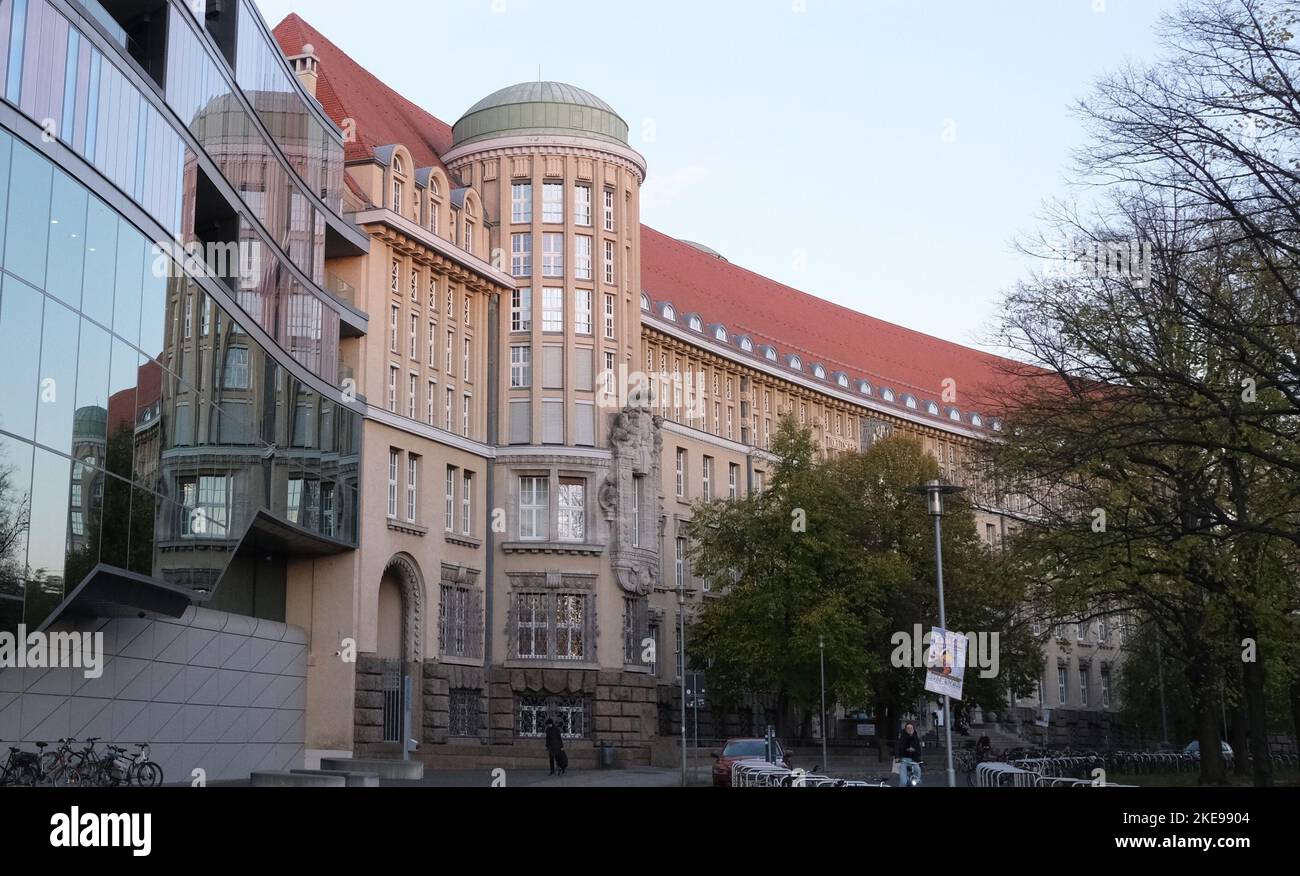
(796,363)
(842,380)
(696,324)
(954,415)
(819,372)
(910,401)
(399,184)
(720,333)
(434,204)
(887,394)
(747,345)
(669,313)
(976,420)
(932,409)
(864,387)
(997,425)
(769,353)
(645,301)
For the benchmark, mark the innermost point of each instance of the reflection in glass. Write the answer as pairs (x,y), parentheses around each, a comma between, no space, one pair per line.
(20,339)
(133,258)
(48,542)
(58,377)
(67,240)
(28,227)
(15,519)
(101,257)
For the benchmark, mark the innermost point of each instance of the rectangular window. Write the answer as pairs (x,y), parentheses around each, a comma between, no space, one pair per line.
(1105,688)
(465,415)
(447,408)
(1083,686)
(552,309)
(456,608)
(679,562)
(206,502)
(395,276)
(553,202)
(413,333)
(681,473)
(636,510)
(531,626)
(467,504)
(235,373)
(609,375)
(552,421)
(609,262)
(430,402)
(534,508)
(706,473)
(609,209)
(465,358)
(582,311)
(733,479)
(392,389)
(521,310)
(570,626)
(521,202)
(582,205)
(552,255)
(393,314)
(573,509)
(433,294)
(412,381)
(449,500)
(1061,682)
(415,286)
(609,317)
(521,367)
(730,430)
(521,255)
(392,482)
(412,482)
(582,257)
(449,350)
(433,344)
(521,424)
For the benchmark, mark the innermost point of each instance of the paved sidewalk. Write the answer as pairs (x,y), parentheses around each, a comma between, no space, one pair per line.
(634,777)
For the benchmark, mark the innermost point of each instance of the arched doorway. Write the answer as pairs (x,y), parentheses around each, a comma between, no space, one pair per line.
(399,647)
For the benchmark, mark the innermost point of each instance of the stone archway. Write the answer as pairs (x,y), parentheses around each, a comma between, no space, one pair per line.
(406,571)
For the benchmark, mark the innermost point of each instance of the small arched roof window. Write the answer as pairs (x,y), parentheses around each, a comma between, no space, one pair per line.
(976,420)
(954,415)
(842,379)
(864,387)
(696,324)
(819,371)
(645,301)
(997,425)
(932,408)
(747,345)
(720,333)
(910,401)
(769,353)
(398,167)
(668,312)
(796,363)
(887,394)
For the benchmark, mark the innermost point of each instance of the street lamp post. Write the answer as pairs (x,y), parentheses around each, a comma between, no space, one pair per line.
(934,493)
(681,662)
(821,647)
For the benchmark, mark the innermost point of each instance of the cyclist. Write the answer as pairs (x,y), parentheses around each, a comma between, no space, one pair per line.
(908,751)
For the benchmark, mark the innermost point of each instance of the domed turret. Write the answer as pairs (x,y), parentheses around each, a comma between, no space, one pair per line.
(532,108)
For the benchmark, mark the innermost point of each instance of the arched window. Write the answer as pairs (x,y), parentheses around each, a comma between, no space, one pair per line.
(720,333)
(696,324)
(669,313)
(747,345)
(819,372)
(842,380)
(887,394)
(954,415)
(997,425)
(976,420)
(864,387)
(910,401)
(435,203)
(769,353)
(399,184)
(645,301)
(932,409)
(796,363)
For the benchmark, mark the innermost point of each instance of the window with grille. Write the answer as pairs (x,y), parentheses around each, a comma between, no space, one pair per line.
(465,712)
(552,625)
(460,611)
(636,620)
(570,713)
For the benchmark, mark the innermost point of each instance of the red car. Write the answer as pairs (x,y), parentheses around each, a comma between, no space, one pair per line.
(742,749)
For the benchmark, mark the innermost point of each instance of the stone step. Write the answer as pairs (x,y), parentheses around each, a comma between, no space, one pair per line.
(402,770)
(295,779)
(351,780)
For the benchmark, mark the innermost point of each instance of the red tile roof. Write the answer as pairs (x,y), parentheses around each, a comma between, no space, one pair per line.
(346,90)
(693,281)
(816,330)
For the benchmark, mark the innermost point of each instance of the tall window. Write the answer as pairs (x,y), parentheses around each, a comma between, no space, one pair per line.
(636,510)
(681,473)
(609,209)
(234,375)
(447,408)
(582,257)
(609,374)
(393,313)
(733,478)
(1105,688)
(573,509)
(449,500)
(552,255)
(395,276)
(609,261)
(521,202)
(465,415)
(433,344)
(415,286)
(521,366)
(397,184)
(570,626)
(412,381)
(706,472)
(392,482)
(552,309)
(534,508)
(679,562)
(531,616)
(412,337)
(465,357)
(521,255)
(1083,685)
(582,205)
(582,311)
(552,202)
(467,503)
(430,402)
(392,389)
(412,482)
(1061,683)
(521,310)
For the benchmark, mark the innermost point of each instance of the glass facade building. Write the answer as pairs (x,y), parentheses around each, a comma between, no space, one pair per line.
(169,410)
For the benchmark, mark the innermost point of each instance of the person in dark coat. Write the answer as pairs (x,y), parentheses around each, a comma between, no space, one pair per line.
(908,751)
(554,744)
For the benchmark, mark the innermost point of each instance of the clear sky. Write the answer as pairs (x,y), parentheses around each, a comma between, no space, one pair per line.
(882,155)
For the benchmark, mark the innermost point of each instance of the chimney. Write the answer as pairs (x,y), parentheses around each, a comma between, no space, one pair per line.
(306,66)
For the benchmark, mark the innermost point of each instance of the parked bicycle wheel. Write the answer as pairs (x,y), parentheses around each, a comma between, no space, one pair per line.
(147,774)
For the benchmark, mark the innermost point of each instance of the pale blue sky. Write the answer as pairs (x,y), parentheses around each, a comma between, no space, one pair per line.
(807,146)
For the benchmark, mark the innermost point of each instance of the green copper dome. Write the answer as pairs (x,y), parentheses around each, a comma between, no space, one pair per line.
(532,108)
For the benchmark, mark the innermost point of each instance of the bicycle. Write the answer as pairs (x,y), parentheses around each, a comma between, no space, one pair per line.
(143,772)
(60,767)
(21,769)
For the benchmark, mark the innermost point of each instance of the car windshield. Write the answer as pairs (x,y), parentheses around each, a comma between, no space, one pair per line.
(746,748)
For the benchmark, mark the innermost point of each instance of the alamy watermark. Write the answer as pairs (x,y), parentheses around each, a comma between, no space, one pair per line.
(37,650)
(911,651)
(1112,259)
(677,391)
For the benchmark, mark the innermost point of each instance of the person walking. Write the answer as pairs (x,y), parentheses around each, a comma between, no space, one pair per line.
(554,747)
